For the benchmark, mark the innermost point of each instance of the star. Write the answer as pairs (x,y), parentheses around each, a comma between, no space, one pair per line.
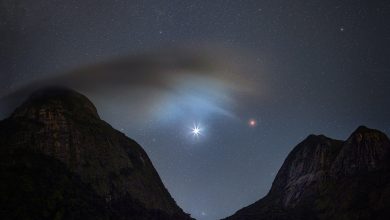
(342,29)
(196,130)
(252,123)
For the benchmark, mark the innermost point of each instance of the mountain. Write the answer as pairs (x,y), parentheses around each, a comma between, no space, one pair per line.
(324,178)
(59,160)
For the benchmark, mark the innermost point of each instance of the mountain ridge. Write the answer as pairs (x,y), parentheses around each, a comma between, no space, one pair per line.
(57,155)
(314,178)
(64,125)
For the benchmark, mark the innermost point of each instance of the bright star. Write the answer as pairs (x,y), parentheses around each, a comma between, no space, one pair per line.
(196,130)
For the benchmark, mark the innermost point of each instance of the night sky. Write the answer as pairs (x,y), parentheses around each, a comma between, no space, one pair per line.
(256,78)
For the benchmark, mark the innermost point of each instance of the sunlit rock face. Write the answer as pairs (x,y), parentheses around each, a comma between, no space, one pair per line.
(64,126)
(324,178)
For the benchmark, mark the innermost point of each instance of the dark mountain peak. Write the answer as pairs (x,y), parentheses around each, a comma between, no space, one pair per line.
(64,125)
(308,163)
(323,178)
(314,144)
(56,100)
(314,138)
(363,133)
(364,151)
(362,128)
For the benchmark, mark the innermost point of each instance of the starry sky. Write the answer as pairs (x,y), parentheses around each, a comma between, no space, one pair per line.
(256,78)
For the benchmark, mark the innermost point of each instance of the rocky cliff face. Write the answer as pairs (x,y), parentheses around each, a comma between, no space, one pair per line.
(324,178)
(64,127)
(366,150)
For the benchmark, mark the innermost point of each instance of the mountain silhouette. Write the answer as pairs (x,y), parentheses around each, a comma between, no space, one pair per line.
(324,178)
(59,160)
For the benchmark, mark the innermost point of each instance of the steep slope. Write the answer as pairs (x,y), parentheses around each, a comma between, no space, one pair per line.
(324,178)
(64,126)
(35,186)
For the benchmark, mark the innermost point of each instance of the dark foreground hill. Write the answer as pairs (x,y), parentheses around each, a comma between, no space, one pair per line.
(59,160)
(324,178)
